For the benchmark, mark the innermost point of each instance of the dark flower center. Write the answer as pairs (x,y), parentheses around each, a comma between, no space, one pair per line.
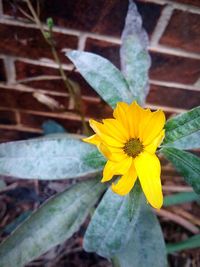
(133,147)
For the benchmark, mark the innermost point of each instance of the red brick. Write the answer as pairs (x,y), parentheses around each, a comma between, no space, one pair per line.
(150,13)
(173,97)
(100,16)
(104,49)
(26,70)
(28,42)
(92,16)
(36,121)
(2,71)
(183,31)
(167,113)
(174,68)
(99,110)
(7,117)
(10,8)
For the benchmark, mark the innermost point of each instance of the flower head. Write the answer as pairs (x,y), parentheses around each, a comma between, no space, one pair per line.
(129,142)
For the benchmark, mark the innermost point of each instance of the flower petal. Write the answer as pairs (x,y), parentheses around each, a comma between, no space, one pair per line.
(113,154)
(148,170)
(126,182)
(151,148)
(136,114)
(116,129)
(114,168)
(120,113)
(102,132)
(153,127)
(94,139)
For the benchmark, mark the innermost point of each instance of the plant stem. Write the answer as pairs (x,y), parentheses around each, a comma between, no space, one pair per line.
(74,91)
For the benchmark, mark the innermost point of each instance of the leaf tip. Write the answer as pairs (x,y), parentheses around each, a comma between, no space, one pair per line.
(71,54)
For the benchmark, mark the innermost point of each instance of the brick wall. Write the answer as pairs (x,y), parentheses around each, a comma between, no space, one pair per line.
(174,32)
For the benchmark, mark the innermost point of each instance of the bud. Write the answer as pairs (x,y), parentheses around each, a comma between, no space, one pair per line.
(50,23)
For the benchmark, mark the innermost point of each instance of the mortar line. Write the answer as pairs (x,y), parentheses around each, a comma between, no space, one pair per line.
(73,116)
(175,85)
(161,25)
(165,108)
(82,41)
(40,62)
(64,115)
(21,128)
(180,6)
(174,51)
(158,48)
(24,88)
(8,20)
(9,69)
(17,117)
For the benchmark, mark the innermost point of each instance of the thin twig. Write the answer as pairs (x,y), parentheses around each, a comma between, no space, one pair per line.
(178,219)
(38,8)
(26,14)
(74,92)
(38,78)
(9,187)
(175,188)
(37,20)
(193,219)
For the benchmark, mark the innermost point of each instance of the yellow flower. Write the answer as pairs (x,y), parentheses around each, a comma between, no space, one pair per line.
(129,142)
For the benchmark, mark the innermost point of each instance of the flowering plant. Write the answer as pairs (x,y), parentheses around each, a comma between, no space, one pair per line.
(123,228)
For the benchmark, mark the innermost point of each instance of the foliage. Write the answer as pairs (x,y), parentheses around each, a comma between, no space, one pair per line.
(187,164)
(135,59)
(51,224)
(55,157)
(122,229)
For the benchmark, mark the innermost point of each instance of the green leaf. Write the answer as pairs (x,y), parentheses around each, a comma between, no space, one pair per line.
(183,131)
(103,76)
(111,227)
(51,224)
(132,198)
(146,246)
(192,242)
(53,157)
(13,225)
(52,127)
(187,164)
(135,59)
(180,198)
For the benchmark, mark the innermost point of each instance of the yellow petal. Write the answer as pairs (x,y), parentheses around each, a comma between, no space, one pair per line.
(134,117)
(137,117)
(111,153)
(102,132)
(151,148)
(153,127)
(148,170)
(120,113)
(94,139)
(105,151)
(126,182)
(116,129)
(114,168)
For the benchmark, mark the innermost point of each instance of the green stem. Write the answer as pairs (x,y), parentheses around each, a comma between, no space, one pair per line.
(74,93)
